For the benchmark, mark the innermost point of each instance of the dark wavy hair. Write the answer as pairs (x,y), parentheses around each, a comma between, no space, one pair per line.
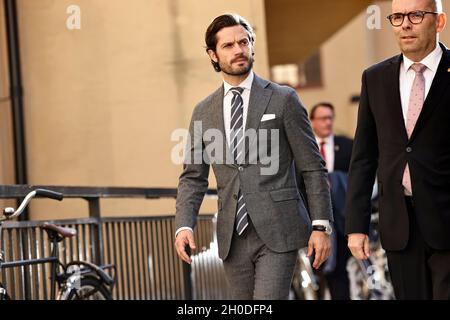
(224,21)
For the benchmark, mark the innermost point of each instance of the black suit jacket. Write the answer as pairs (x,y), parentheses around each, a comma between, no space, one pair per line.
(381,142)
(342,153)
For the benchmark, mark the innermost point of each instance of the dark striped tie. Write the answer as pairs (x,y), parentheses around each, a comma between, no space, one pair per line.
(237,147)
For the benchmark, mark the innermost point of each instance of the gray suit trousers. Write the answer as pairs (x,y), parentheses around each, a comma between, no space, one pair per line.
(253,271)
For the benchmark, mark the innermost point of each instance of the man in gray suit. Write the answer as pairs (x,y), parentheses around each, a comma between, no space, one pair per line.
(262,220)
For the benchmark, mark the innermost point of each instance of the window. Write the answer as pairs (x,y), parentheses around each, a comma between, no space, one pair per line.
(302,75)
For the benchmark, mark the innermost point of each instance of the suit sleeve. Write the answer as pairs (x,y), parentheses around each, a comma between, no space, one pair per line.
(308,160)
(193,182)
(363,166)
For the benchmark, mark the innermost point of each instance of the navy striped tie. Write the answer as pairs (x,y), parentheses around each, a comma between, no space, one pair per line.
(237,147)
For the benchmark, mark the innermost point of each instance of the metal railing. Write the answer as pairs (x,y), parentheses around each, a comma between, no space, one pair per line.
(207,274)
(141,248)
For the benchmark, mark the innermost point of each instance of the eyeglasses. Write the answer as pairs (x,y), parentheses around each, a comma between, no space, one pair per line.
(415,17)
(330,118)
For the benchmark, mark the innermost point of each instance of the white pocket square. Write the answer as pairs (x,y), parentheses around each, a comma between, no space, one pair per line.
(267,117)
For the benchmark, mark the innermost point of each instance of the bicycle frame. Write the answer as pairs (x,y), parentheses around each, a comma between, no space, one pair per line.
(53,259)
(64,279)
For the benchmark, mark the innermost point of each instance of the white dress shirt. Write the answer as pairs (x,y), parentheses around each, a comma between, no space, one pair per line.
(228,95)
(329,150)
(247,85)
(407,76)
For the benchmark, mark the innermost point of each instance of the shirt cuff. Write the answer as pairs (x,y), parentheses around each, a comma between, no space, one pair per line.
(181,229)
(325,223)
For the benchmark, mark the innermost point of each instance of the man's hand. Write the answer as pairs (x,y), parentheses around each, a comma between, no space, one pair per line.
(359,245)
(320,243)
(183,238)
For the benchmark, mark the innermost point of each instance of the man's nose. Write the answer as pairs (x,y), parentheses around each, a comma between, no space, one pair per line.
(406,25)
(238,49)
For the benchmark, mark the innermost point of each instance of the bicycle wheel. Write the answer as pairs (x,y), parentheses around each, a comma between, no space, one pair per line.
(303,286)
(3,294)
(5,297)
(90,288)
(358,279)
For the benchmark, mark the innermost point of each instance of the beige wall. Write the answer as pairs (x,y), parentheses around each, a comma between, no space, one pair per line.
(101,102)
(345,56)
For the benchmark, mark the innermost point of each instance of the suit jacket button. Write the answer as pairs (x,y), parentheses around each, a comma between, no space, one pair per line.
(241,169)
(408,149)
(235,196)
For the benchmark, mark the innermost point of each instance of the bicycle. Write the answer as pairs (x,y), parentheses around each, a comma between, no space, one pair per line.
(76,280)
(305,284)
(368,279)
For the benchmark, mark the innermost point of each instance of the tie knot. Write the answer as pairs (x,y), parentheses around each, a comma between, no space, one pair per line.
(237,90)
(418,68)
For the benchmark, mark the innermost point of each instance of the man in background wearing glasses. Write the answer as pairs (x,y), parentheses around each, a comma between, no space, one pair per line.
(403,132)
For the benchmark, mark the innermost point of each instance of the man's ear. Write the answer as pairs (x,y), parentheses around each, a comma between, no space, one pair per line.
(212,55)
(441,22)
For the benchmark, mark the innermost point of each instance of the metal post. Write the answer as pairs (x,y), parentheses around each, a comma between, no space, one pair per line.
(94,212)
(23,243)
(16,93)
(187,270)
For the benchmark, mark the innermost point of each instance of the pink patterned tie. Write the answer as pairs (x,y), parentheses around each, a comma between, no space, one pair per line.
(416,100)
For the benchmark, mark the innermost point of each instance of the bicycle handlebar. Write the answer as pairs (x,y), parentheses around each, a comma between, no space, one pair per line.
(49,194)
(10,213)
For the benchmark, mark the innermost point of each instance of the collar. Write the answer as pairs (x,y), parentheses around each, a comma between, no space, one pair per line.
(431,61)
(327,140)
(246,84)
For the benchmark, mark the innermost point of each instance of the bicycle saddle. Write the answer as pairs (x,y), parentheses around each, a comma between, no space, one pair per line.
(60,231)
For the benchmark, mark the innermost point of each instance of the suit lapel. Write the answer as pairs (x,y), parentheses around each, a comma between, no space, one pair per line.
(392,86)
(259,100)
(439,86)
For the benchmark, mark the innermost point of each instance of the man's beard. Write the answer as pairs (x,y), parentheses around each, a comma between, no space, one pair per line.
(227,69)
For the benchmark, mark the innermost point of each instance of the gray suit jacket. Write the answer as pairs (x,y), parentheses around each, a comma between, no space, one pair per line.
(273,202)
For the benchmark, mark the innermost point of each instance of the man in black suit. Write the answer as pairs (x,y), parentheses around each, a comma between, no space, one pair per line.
(336,151)
(403,131)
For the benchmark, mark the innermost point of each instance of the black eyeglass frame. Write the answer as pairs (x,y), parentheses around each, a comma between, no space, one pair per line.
(422,13)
